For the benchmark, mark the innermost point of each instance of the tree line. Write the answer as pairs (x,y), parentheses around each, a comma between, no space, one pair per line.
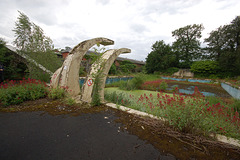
(220,57)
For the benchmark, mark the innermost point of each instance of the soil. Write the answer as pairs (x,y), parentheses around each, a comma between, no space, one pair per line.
(46,129)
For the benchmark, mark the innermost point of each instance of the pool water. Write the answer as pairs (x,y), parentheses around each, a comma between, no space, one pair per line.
(189,80)
(109,80)
(190,90)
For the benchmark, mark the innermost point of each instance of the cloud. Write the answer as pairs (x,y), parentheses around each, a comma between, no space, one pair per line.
(103,2)
(134,24)
(139,28)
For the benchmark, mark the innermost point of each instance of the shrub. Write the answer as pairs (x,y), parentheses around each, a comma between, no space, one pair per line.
(16,92)
(69,101)
(163,86)
(205,68)
(171,70)
(126,85)
(137,81)
(56,93)
(132,84)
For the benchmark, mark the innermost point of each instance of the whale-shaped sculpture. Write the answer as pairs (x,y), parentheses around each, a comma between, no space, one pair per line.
(67,75)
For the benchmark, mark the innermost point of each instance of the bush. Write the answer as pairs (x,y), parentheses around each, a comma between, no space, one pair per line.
(205,68)
(163,86)
(132,84)
(69,101)
(137,81)
(171,70)
(16,92)
(56,93)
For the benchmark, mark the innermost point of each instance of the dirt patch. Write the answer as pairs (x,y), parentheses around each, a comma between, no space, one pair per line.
(181,145)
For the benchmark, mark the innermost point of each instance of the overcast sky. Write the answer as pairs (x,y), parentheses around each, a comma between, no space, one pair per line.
(133,24)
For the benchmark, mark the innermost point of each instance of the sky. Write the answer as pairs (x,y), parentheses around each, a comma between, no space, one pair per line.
(133,24)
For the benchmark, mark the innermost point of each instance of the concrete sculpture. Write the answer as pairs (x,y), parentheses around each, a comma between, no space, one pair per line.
(101,66)
(68,74)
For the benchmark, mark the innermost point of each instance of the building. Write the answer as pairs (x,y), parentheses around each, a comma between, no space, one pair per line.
(86,62)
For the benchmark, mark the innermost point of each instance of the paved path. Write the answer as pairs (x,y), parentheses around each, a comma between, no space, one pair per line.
(34,135)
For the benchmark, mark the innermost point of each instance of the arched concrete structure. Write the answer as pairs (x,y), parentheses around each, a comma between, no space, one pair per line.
(68,74)
(107,67)
(104,64)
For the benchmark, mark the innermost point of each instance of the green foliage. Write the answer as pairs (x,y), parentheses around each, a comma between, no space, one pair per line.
(29,36)
(171,70)
(188,114)
(132,84)
(224,47)
(160,58)
(13,68)
(236,105)
(31,40)
(126,85)
(163,86)
(187,44)
(82,73)
(16,92)
(113,69)
(69,101)
(47,59)
(96,101)
(205,68)
(56,93)
(97,78)
(127,66)
(138,80)
(117,98)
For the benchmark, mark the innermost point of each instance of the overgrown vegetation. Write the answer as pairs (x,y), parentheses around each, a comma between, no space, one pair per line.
(56,93)
(186,113)
(31,41)
(16,92)
(14,68)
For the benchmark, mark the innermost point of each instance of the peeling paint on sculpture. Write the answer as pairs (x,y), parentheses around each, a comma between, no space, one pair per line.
(102,66)
(68,74)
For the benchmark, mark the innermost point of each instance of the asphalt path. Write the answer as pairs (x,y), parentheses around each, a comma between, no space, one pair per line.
(95,136)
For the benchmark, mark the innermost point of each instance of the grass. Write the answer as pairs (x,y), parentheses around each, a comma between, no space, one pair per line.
(134,92)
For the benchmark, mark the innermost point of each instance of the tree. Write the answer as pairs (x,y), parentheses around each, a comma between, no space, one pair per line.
(31,40)
(216,42)
(160,58)
(30,37)
(187,44)
(127,66)
(224,46)
(13,67)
